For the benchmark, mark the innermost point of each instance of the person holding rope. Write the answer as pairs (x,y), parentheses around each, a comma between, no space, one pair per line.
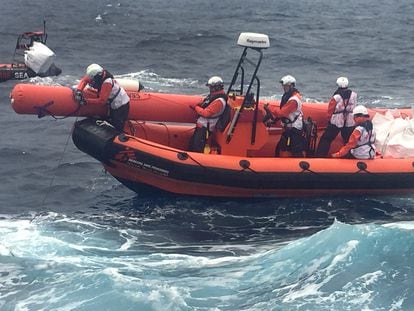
(109,93)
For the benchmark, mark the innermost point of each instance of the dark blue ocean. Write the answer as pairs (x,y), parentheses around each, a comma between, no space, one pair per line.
(73,238)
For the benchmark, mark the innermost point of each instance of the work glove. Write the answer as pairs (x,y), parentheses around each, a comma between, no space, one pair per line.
(269,118)
(78,96)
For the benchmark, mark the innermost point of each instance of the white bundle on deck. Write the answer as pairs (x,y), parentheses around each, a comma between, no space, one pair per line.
(394,135)
(39,57)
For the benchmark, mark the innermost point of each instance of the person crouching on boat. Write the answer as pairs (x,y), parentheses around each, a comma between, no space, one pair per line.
(361,142)
(209,113)
(341,120)
(291,143)
(110,93)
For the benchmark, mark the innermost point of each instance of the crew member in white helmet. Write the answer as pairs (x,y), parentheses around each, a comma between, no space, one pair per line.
(110,93)
(291,143)
(210,114)
(361,144)
(340,117)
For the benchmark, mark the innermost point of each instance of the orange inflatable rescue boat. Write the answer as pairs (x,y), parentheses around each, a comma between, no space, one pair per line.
(30,58)
(152,151)
(58,101)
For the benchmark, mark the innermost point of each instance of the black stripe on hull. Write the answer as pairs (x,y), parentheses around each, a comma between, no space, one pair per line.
(97,141)
(301,181)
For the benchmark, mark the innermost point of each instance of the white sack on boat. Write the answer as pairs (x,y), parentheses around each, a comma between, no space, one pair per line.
(394,135)
(39,57)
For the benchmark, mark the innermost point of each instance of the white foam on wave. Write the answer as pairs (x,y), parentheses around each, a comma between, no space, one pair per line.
(61,80)
(55,241)
(43,81)
(160,294)
(359,291)
(129,240)
(154,82)
(116,258)
(31,238)
(14,231)
(405,225)
(320,274)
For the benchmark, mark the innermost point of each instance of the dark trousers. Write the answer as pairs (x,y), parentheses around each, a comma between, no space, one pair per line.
(291,141)
(118,117)
(329,135)
(198,140)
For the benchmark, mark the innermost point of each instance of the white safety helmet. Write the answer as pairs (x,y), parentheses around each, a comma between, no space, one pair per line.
(360,110)
(287,80)
(342,82)
(93,70)
(215,83)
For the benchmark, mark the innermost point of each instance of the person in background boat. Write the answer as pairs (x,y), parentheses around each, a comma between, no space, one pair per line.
(292,142)
(109,93)
(210,111)
(341,120)
(361,142)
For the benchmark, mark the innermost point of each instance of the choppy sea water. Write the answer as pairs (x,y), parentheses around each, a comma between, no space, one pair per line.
(73,238)
(56,262)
